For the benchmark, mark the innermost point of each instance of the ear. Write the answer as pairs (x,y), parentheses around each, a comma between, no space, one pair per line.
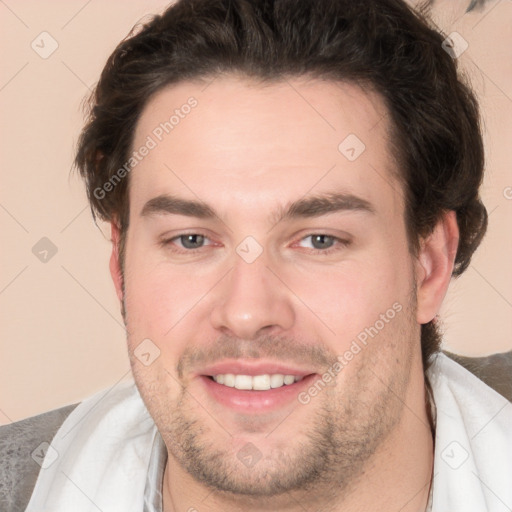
(434,266)
(115,263)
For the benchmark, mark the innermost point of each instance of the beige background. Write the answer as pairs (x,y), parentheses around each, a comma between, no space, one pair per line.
(62,337)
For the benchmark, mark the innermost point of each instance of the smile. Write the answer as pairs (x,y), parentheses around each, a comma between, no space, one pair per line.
(262,382)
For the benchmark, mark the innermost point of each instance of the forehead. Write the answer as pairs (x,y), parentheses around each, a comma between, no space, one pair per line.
(234,137)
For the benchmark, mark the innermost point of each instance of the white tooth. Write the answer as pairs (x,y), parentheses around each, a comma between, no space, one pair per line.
(289,379)
(229,380)
(243,382)
(258,382)
(261,382)
(276,380)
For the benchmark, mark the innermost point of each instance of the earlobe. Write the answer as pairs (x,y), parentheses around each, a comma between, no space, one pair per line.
(435,266)
(115,262)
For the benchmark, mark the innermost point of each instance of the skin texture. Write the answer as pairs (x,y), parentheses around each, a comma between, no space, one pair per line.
(363,442)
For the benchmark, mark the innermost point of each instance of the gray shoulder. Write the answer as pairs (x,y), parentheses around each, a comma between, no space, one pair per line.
(20,451)
(495,370)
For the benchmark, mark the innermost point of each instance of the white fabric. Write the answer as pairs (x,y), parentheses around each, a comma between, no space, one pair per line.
(103,450)
(105,444)
(153,501)
(473,450)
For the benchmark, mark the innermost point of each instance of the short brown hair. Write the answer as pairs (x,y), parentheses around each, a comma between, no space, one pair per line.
(378,44)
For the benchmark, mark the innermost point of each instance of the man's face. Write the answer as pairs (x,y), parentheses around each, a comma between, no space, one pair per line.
(241,293)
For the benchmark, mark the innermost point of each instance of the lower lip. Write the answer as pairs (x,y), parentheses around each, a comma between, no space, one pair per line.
(248,401)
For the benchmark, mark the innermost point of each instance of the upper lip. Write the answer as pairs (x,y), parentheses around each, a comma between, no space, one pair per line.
(252,368)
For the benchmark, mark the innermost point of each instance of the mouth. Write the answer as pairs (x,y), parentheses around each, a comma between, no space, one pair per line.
(254,388)
(262,382)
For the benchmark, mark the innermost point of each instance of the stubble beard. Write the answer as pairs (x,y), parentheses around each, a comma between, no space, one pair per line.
(348,424)
(333,450)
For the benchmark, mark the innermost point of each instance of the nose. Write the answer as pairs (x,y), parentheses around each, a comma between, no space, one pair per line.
(251,300)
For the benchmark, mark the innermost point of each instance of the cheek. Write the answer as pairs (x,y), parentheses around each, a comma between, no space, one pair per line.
(348,299)
(164,301)
(154,302)
(152,311)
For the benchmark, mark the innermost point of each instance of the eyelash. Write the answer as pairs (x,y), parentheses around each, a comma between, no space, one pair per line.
(338,242)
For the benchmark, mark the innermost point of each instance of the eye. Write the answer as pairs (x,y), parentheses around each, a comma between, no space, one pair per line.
(317,243)
(323,243)
(188,242)
(192,241)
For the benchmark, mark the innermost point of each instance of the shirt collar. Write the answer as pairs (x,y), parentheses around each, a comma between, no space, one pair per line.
(153,501)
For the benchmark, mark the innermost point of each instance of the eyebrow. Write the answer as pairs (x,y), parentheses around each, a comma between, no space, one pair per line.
(311,206)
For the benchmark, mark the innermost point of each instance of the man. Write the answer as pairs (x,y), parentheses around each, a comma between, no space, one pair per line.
(291,186)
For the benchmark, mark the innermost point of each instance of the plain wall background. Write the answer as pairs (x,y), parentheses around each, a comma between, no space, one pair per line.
(62,336)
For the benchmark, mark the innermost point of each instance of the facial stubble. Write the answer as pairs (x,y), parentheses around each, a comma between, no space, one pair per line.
(346,424)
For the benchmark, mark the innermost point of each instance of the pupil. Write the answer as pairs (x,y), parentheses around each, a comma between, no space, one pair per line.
(192,241)
(323,241)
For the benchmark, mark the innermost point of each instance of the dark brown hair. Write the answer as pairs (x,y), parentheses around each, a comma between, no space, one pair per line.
(379,44)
